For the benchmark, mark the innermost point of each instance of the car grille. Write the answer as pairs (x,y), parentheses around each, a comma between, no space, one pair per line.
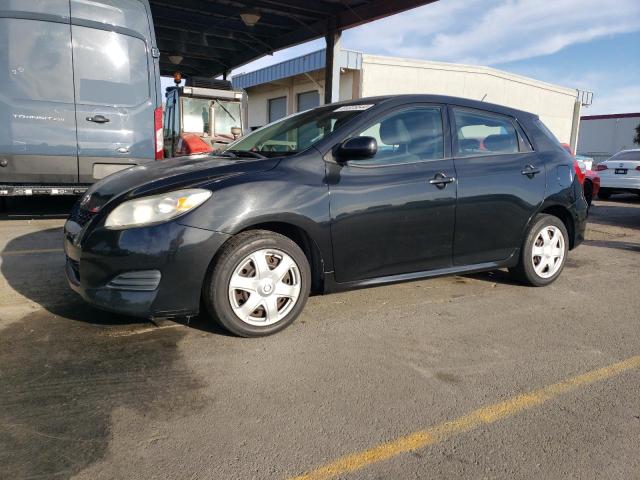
(80,215)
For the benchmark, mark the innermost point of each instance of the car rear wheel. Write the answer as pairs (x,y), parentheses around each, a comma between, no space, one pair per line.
(604,194)
(543,253)
(588,192)
(258,284)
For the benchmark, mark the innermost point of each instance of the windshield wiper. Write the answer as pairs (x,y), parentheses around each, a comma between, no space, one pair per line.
(223,107)
(226,153)
(247,153)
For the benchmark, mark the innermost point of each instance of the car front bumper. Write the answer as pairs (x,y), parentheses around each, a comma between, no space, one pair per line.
(154,271)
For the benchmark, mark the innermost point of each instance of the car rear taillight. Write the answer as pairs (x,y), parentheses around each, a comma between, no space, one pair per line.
(157,125)
(600,167)
(579,172)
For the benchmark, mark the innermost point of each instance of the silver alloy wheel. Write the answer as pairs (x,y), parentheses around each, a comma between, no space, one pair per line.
(547,253)
(264,287)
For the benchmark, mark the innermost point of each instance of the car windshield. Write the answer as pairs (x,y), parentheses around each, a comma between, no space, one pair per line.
(627,155)
(296,133)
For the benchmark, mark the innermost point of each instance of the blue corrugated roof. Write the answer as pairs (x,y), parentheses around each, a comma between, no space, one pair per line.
(296,66)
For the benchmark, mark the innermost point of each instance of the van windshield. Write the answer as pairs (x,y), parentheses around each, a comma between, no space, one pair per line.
(297,132)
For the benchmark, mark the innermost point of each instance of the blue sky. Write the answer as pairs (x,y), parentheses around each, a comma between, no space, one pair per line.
(588,44)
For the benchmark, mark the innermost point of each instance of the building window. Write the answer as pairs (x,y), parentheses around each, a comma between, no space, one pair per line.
(277,108)
(308,100)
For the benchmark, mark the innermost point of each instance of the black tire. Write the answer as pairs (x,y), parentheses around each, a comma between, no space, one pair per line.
(588,191)
(216,292)
(604,194)
(524,272)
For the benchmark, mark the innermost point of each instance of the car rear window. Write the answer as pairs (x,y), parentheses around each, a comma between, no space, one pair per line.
(627,155)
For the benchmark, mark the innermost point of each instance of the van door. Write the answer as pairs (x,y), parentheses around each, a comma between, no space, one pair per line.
(114,86)
(37,114)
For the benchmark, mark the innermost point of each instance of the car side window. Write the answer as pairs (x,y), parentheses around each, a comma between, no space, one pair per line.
(410,135)
(479,133)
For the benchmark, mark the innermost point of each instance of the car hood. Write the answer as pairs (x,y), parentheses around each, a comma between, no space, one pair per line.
(164,175)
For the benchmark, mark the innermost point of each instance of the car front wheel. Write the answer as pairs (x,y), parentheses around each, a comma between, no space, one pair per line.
(258,284)
(543,253)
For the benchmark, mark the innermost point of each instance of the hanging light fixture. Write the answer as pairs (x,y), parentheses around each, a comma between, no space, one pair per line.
(250,17)
(175,59)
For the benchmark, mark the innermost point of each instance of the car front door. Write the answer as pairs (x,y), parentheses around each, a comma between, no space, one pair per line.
(501,183)
(388,217)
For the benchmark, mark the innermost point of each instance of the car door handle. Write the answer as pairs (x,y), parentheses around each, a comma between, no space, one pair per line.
(441,180)
(98,119)
(530,171)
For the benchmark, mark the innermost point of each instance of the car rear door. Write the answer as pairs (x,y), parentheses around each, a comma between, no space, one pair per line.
(37,113)
(114,85)
(387,215)
(501,183)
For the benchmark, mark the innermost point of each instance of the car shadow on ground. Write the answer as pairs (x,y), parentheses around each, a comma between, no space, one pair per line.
(40,277)
(626,246)
(615,212)
(495,276)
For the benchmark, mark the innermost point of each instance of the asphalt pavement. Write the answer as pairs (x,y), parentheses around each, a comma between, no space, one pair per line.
(460,377)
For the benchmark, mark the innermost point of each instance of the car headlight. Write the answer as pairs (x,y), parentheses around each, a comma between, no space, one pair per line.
(156,208)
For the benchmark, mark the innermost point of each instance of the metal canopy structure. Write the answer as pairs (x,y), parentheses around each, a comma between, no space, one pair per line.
(210,38)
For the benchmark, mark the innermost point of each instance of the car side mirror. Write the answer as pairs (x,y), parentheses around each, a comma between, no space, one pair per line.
(236,132)
(357,148)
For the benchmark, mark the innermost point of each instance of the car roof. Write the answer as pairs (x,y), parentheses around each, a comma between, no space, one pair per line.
(426,98)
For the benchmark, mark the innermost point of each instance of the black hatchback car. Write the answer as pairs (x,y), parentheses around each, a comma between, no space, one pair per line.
(347,195)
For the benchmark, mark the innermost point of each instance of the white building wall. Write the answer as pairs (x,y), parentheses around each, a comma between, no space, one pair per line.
(555,105)
(602,137)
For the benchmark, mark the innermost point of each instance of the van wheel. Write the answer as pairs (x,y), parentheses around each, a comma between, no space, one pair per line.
(543,252)
(258,284)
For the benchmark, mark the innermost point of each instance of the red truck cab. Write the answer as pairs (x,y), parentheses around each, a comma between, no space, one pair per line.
(200,119)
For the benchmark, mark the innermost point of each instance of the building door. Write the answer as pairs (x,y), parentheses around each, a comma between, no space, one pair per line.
(277,108)
(308,100)
(386,215)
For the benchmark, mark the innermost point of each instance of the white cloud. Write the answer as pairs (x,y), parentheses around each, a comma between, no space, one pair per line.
(490,32)
(616,100)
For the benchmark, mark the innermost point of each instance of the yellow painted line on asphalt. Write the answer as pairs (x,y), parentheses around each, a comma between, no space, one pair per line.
(9,253)
(470,421)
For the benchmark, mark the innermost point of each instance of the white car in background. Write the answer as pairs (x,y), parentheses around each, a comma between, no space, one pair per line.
(620,173)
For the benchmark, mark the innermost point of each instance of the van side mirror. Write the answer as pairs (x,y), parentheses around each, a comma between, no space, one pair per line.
(357,148)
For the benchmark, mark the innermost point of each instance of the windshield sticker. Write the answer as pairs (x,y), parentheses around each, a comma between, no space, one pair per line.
(351,108)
